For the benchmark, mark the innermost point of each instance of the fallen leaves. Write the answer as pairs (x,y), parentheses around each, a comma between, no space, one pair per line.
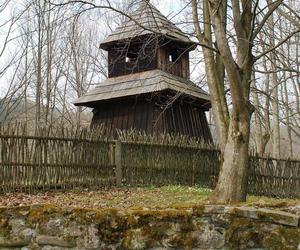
(110,198)
(123,198)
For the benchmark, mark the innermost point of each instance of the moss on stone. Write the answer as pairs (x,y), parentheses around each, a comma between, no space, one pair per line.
(198,210)
(271,216)
(178,228)
(42,213)
(156,231)
(134,239)
(292,235)
(243,231)
(276,241)
(4,227)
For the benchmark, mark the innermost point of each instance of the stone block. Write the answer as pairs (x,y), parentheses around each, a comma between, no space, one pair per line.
(73,230)
(27,234)
(53,241)
(208,236)
(274,216)
(214,209)
(12,242)
(54,227)
(16,225)
(90,238)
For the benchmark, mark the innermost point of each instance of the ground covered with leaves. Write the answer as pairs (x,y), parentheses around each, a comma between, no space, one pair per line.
(151,197)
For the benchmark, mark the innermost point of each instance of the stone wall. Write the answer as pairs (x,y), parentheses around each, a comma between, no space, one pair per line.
(201,227)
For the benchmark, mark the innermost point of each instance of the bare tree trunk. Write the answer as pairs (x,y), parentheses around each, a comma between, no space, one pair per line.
(234,129)
(274,94)
(49,65)
(39,81)
(261,137)
(285,51)
(233,177)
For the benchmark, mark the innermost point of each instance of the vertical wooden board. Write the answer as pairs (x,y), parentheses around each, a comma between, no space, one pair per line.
(167,124)
(184,62)
(180,67)
(144,116)
(110,119)
(172,120)
(124,115)
(187,114)
(185,66)
(103,116)
(119,116)
(176,118)
(150,117)
(194,121)
(138,116)
(183,112)
(161,58)
(141,124)
(199,124)
(181,121)
(165,120)
(158,120)
(106,115)
(131,115)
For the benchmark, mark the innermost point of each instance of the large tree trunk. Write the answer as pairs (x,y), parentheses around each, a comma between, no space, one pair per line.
(233,176)
(233,129)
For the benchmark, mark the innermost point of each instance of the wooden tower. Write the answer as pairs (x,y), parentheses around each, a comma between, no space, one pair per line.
(148,86)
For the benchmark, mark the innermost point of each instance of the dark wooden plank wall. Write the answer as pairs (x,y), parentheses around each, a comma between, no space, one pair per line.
(188,120)
(125,115)
(178,68)
(118,66)
(179,118)
(150,56)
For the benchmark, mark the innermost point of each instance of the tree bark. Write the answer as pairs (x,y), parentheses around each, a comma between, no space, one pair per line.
(232,183)
(234,129)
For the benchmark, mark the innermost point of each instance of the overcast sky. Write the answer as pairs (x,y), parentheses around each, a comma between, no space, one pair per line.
(167,7)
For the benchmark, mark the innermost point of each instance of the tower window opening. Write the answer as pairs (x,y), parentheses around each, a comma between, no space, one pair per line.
(173,56)
(127,59)
(132,54)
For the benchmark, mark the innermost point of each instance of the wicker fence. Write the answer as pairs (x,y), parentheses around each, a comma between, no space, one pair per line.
(155,164)
(45,161)
(70,160)
(274,177)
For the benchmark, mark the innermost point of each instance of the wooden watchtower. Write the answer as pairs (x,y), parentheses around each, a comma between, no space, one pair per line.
(148,86)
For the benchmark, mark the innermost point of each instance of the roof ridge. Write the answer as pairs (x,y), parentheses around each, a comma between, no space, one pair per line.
(146,19)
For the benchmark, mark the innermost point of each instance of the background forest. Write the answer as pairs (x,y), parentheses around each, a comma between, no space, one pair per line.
(49,56)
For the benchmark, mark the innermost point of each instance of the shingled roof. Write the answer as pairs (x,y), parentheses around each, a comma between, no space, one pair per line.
(141,83)
(146,19)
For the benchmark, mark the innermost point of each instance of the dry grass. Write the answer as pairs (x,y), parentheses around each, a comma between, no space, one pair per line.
(168,196)
(151,197)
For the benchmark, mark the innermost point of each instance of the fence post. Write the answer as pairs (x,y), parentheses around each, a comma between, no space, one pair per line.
(118,162)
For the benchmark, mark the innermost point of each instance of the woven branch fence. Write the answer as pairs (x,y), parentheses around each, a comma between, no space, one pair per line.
(274,177)
(52,159)
(64,159)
